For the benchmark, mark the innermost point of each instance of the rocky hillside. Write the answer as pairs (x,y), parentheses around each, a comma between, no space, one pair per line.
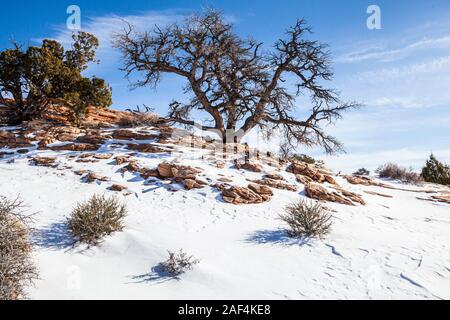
(388,239)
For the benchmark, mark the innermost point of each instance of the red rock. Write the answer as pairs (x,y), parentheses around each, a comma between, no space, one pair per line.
(146,148)
(123,134)
(118,187)
(242,195)
(253,167)
(43,161)
(277,184)
(318,192)
(75,147)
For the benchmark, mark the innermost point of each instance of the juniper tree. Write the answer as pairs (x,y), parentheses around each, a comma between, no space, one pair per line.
(237,84)
(31,78)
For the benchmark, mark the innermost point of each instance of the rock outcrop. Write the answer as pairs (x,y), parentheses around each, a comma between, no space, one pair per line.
(249,166)
(276,184)
(43,161)
(253,194)
(306,173)
(338,195)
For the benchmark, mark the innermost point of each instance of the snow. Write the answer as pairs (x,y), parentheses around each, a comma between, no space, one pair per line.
(392,248)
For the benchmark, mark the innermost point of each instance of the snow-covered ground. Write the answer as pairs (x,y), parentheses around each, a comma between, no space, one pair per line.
(392,248)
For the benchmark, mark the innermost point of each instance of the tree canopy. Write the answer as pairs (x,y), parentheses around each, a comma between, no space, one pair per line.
(31,78)
(235,82)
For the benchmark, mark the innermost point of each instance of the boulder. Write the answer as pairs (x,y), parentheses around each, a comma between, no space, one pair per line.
(146,148)
(192,184)
(91,177)
(253,167)
(242,195)
(75,147)
(274,176)
(165,170)
(277,184)
(121,159)
(118,187)
(43,161)
(318,192)
(148,173)
(80,172)
(220,164)
(261,189)
(310,172)
(123,134)
(365,181)
(132,166)
(184,172)
(102,156)
(303,179)
(95,139)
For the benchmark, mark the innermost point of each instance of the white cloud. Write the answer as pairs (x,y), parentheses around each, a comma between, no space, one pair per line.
(104,27)
(436,65)
(381,53)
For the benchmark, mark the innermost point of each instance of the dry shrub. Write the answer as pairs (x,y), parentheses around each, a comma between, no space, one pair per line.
(96,218)
(142,119)
(307,219)
(178,263)
(394,171)
(17,270)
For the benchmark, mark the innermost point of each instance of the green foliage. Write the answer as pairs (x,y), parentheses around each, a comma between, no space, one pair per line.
(436,171)
(307,159)
(37,75)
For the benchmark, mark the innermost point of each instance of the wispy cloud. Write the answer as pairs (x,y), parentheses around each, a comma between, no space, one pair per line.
(435,65)
(382,53)
(105,27)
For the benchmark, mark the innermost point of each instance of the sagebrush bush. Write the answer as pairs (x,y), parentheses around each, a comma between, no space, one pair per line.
(307,219)
(394,171)
(178,263)
(361,172)
(96,218)
(436,172)
(17,270)
(142,119)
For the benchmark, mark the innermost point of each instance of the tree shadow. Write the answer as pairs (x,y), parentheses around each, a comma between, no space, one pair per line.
(275,237)
(54,236)
(156,276)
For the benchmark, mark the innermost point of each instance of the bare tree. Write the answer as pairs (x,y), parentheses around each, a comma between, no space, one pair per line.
(234,81)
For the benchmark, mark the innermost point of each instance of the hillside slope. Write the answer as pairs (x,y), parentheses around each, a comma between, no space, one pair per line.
(390,248)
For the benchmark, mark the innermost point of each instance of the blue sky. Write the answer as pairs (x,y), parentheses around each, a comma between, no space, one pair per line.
(401,72)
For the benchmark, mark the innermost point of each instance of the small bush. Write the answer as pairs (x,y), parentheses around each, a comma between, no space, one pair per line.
(17,270)
(98,217)
(307,219)
(361,172)
(178,263)
(394,171)
(436,172)
(140,119)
